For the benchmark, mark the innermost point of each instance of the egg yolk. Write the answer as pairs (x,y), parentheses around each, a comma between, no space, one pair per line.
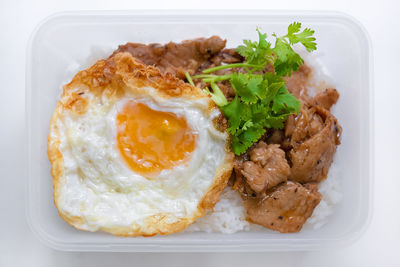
(150,140)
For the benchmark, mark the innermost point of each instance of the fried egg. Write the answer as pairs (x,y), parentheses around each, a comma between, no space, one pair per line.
(135,152)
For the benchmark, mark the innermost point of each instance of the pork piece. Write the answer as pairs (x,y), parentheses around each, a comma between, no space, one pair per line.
(314,142)
(297,82)
(237,180)
(326,99)
(227,55)
(177,58)
(275,136)
(266,168)
(286,208)
(306,124)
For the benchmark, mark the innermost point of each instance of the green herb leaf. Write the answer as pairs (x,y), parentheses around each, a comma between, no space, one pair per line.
(305,38)
(285,102)
(235,112)
(276,122)
(261,101)
(244,140)
(256,53)
(287,59)
(273,83)
(248,87)
(294,27)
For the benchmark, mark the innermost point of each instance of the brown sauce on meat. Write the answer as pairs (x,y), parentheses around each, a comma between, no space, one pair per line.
(190,55)
(278,176)
(285,209)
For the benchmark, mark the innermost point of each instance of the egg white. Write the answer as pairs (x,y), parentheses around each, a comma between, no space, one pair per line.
(104,192)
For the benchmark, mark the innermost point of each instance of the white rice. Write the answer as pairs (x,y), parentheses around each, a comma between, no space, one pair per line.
(229,215)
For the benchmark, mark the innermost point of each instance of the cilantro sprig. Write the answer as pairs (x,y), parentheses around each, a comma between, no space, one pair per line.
(261,101)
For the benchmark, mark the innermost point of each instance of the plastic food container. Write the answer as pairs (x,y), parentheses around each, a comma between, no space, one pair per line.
(67,39)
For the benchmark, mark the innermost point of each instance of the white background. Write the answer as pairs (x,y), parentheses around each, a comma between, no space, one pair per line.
(380,244)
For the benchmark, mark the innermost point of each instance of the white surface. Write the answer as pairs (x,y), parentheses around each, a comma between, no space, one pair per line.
(379,246)
(54,49)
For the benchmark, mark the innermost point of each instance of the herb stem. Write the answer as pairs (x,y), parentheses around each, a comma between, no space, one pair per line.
(189,79)
(230,66)
(218,97)
(201,76)
(217,78)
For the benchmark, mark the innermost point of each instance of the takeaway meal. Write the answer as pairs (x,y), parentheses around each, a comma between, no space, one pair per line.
(156,138)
